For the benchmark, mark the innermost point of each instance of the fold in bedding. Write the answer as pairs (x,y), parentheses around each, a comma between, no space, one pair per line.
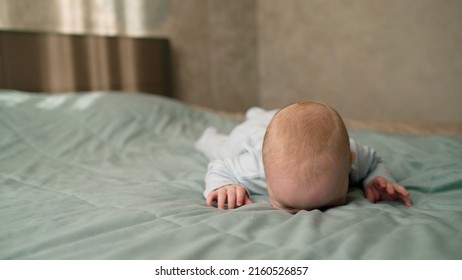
(105,175)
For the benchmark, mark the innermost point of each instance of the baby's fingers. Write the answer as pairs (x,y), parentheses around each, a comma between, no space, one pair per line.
(231,198)
(211,198)
(390,189)
(403,194)
(247,200)
(218,196)
(401,190)
(382,185)
(380,181)
(372,194)
(221,198)
(407,201)
(241,197)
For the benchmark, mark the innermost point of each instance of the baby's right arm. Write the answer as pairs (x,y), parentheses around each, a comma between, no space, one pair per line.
(222,185)
(244,170)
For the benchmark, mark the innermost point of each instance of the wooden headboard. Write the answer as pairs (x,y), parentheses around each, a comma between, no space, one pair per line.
(44,62)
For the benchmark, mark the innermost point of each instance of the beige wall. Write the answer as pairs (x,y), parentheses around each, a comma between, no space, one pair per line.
(214,44)
(369,58)
(375,59)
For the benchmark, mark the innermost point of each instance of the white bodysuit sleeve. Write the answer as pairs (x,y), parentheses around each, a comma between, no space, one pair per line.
(244,170)
(366,165)
(219,174)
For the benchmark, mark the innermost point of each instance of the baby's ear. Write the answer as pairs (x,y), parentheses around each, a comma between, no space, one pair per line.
(352,157)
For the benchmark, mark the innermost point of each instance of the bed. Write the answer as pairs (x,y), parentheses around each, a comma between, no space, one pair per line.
(109,174)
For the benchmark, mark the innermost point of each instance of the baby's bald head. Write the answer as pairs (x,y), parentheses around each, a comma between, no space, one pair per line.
(306,155)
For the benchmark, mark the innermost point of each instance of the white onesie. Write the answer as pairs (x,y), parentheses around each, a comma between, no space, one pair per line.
(237,158)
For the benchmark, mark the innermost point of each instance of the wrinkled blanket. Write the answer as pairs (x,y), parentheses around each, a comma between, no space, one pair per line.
(107,175)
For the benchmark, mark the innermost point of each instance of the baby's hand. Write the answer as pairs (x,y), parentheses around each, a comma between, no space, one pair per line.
(233,195)
(380,189)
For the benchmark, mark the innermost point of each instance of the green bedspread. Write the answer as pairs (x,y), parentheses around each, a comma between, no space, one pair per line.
(116,176)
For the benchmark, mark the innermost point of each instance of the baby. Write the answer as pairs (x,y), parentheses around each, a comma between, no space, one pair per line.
(301,156)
